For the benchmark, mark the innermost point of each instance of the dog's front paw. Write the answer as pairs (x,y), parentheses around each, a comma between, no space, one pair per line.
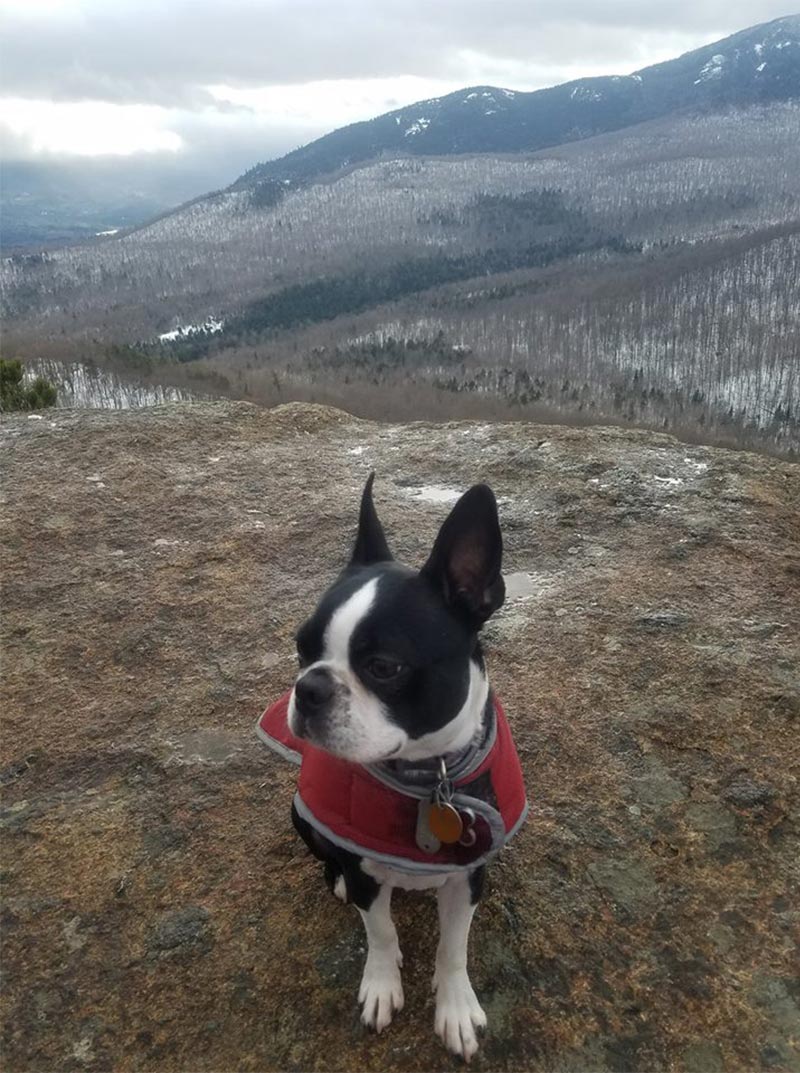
(458,1013)
(381,992)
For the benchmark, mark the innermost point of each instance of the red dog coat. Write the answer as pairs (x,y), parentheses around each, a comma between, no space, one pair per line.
(370,809)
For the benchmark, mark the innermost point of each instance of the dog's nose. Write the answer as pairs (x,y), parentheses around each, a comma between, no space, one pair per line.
(313,691)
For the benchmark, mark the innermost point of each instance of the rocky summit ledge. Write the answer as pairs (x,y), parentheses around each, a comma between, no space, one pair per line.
(159,912)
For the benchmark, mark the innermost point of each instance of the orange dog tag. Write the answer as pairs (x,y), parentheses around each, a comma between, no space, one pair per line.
(445,822)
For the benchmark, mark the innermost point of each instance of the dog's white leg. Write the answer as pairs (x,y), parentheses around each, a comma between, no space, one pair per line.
(381,992)
(458,1012)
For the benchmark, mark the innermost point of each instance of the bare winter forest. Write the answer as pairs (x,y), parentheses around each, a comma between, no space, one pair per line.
(650,276)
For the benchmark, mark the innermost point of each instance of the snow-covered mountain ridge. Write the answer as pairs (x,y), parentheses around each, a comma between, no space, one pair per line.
(755,66)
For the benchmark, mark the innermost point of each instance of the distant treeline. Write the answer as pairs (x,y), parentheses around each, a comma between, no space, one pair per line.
(696,337)
(562,230)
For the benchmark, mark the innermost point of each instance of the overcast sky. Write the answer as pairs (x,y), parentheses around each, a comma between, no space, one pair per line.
(250,79)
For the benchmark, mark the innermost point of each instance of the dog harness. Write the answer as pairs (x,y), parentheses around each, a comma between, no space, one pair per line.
(384,811)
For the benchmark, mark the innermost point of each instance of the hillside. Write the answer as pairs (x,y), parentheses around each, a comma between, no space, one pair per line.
(677,180)
(755,66)
(160,914)
(705,343)
(645,275)
(710,148)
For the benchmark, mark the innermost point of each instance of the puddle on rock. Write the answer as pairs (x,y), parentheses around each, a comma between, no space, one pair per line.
(519,585)
(523,591)
(205,747)
(434,493)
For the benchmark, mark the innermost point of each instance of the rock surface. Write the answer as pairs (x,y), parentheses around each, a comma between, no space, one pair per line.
(159,912)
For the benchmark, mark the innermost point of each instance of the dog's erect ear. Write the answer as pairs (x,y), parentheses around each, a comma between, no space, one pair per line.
(371,546)
(467,557)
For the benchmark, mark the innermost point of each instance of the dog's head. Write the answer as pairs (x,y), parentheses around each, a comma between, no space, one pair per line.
(390,665)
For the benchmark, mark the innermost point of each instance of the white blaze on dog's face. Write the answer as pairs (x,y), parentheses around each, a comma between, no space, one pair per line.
(330,705)
(391,666)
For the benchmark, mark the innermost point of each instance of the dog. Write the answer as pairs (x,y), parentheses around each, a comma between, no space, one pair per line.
(409,777)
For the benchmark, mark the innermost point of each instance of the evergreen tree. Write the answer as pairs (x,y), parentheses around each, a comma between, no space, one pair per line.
(16,395)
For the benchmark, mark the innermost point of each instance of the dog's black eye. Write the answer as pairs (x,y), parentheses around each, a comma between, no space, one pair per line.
(303,653)
(303,656)
(383,669)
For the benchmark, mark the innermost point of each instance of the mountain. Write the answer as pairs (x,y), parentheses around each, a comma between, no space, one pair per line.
(684,178)
(644,274)
(55,202)
(754,66)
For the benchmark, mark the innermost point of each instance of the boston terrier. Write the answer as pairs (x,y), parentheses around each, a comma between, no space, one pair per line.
(409,777)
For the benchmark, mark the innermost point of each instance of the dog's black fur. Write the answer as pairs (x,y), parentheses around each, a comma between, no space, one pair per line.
(400,674)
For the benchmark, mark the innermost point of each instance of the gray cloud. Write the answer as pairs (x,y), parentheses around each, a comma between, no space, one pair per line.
(152,52)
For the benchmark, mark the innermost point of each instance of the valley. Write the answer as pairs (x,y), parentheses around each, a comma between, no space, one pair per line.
(648,274)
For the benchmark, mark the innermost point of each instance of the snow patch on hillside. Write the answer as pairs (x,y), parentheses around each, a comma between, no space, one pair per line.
(417,127)
(184,331)
(712,69)
(585,93)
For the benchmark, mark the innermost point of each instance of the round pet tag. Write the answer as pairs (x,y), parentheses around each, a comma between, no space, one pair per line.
(445,822)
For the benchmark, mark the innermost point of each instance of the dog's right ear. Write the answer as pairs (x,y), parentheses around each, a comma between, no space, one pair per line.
(371,546)
(467,557)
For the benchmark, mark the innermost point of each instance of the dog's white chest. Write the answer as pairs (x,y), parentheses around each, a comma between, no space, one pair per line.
(382,873)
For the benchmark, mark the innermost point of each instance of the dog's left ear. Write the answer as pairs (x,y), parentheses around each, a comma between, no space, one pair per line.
(467,556)
(371,546)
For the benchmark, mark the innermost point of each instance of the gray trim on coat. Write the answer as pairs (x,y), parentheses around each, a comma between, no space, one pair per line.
(278,747)
(403,864)
(458,770)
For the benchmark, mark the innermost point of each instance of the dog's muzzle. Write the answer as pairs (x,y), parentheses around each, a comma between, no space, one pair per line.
(314,692)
